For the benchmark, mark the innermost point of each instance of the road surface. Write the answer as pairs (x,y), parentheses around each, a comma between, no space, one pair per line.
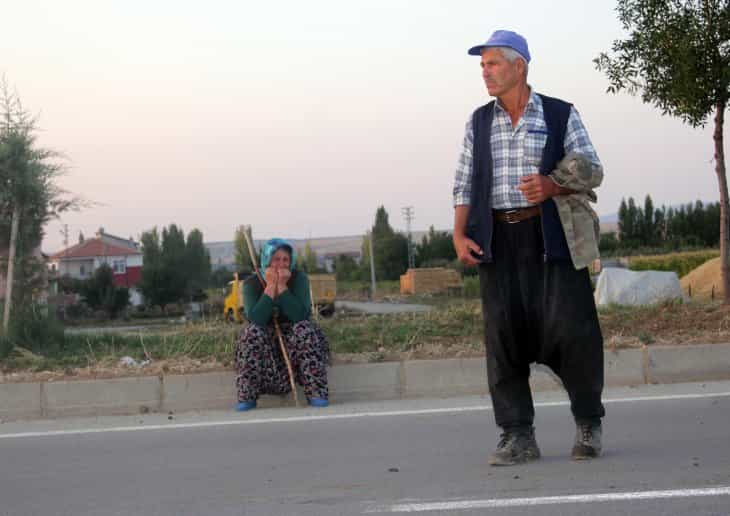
(667,451)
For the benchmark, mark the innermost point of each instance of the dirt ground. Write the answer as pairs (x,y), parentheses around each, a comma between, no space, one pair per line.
(680,324)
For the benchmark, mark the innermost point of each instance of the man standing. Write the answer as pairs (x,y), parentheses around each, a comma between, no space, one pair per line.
(537,299)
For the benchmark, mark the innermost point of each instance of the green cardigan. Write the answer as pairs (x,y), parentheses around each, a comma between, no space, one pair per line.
(293,305)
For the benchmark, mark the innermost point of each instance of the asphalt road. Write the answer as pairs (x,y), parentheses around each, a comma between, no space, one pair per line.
(667,451)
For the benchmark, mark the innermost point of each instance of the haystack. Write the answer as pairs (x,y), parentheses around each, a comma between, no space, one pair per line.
(703,281)
(430,280)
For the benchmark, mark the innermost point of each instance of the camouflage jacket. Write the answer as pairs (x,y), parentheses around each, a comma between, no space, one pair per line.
(579,220)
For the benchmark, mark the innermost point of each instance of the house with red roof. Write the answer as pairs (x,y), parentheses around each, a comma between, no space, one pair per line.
(81,260)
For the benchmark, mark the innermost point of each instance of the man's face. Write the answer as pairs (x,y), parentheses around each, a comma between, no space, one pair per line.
(500,76)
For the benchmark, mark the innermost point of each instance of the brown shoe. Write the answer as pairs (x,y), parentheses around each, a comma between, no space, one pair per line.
(516,446)
(587,441)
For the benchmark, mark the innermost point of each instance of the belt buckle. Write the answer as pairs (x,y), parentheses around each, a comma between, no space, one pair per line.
(509,214)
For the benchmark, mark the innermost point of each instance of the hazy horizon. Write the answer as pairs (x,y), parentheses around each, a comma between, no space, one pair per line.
(301,119)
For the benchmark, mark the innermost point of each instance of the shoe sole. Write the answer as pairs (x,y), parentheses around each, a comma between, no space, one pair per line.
(585,455)
(494,461)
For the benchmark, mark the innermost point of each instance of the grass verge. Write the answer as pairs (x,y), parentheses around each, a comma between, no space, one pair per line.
(453,329)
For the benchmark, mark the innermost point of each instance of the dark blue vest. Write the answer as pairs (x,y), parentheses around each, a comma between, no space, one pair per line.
(480,221)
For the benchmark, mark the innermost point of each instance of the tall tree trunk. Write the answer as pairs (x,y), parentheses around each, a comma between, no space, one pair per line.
(724,208)
(11,267)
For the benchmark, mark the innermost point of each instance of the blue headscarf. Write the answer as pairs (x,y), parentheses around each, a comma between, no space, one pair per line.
(273,245)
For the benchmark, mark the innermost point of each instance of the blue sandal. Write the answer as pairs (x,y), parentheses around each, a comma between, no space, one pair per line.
(243,406)
(319,402)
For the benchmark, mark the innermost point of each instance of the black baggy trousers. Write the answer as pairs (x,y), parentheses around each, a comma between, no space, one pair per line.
(538,310)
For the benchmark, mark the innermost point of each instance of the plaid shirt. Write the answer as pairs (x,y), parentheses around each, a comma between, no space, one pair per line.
(516,152)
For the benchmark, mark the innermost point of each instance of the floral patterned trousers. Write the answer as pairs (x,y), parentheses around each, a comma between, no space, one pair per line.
(261,367)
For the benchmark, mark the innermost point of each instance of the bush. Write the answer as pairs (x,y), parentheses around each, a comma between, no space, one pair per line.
(681,263)
(100,293)
(463,269)
(174,309)
(6,346)
(76,311)
(32,328)
(213,307)
(101,315)
(435,262)
(471,287)
(608,243)
(155,311)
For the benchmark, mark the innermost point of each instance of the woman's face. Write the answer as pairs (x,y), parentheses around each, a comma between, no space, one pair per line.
(281,259)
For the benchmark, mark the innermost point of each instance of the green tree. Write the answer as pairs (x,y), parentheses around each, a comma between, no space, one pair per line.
(153,283)
(29,198)
(100,293)
(436,249)
(648,229)
(660,224)
(623,211)
(197,266)
(242,256)
(174,261)
(308,259)
(608,243)
(346,268)
(173,270)
(390,249)
(219,277)
(630,222)
(677,55)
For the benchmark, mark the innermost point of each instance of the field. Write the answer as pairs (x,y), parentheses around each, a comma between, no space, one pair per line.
(453,329)
(681,263)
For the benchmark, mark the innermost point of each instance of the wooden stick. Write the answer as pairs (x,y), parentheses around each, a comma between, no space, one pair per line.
(277,328)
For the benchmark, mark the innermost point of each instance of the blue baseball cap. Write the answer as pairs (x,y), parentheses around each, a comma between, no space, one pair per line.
(504,38)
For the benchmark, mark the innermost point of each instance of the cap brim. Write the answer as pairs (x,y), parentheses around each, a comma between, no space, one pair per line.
(477,50)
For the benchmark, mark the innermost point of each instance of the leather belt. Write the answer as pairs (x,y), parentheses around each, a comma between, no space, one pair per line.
(516,215)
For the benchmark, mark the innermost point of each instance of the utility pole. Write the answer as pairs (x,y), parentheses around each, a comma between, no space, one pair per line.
(64,234)
(372,265)
(409,213)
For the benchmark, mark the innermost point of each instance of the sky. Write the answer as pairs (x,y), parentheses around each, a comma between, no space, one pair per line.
(301,118)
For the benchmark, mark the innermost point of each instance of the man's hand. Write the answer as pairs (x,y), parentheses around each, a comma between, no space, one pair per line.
(466,248)
(537,188)
(283,278)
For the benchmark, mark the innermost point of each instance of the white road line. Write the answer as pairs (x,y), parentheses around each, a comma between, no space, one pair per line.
(497,503)
(330,417)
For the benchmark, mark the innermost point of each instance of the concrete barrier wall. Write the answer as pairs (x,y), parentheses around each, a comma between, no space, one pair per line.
(116,396)
(356,382)
(20,401)
(688,364)
(625,367)
(348,382)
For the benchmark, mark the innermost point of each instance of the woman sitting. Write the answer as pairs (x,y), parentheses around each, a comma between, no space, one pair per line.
(259,361)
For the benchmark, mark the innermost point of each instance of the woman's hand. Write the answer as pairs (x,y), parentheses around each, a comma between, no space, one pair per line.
(283,278)
(272,279)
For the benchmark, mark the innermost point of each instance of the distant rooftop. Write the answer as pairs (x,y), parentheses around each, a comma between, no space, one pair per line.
(103,244)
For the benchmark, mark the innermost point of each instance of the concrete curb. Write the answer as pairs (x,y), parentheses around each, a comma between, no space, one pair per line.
(349,382)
